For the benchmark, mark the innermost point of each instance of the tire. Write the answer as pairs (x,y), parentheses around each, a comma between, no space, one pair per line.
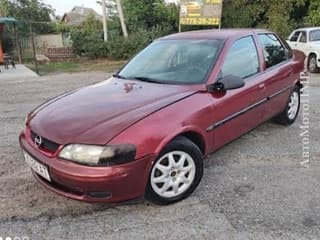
(289,115)
(312,64)
(177,179)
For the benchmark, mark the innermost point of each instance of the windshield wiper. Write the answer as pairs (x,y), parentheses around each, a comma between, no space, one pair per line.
(119,76)
(146,79)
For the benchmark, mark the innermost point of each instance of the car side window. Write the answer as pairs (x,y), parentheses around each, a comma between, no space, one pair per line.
(295,36)
(274,51)
(242,59)
(303,37)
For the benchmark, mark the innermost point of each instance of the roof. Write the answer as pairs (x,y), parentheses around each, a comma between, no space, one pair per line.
(307,29)
(214,33)
(78,15)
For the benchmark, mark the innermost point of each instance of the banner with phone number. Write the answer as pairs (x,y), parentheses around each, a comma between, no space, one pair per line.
(200,12)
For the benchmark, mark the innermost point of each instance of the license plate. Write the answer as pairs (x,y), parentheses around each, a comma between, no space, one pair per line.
(39,168)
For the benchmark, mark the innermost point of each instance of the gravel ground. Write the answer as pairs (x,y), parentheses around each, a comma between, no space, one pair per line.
(253,188)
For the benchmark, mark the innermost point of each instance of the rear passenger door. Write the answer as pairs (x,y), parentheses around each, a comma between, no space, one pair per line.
(239,110)
(278,73)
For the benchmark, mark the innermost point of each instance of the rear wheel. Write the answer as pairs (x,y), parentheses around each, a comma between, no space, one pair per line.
(290,113)
(312,64)
(176,173)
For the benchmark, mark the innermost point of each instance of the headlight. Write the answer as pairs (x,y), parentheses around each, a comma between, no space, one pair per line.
(99,155)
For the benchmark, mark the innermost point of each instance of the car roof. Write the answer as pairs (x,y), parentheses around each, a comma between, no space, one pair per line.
(213,34)
(307,29)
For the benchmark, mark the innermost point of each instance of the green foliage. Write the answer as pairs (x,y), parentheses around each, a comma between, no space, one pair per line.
(92,45)
(91,25)
(279,16)
(143,28)
(88,39)
(28,10)
(88,44)
(61,27)
(314,12)
(121,48)
(148,14)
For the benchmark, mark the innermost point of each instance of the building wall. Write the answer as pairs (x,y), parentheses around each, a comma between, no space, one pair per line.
(49,40)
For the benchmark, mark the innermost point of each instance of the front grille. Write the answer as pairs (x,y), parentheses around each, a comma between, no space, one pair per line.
(46,144)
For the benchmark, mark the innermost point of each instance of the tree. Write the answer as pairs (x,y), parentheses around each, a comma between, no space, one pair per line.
(91,24)
(147,14)
(111,8)
(28,11)
(314,13)
(279,16)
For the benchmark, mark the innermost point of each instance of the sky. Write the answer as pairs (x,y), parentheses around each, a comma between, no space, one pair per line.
(63,6)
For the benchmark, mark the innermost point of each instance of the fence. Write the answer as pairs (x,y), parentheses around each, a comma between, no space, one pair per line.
(33,45)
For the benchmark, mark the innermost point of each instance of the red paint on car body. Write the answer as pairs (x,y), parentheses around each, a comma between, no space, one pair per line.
(150,115)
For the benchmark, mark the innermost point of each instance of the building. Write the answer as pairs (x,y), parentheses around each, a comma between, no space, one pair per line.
(78,15)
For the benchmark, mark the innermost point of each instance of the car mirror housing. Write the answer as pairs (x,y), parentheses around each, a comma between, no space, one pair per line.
(228,82)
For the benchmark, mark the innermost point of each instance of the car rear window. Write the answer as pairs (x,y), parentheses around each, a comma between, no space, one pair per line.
(315,35)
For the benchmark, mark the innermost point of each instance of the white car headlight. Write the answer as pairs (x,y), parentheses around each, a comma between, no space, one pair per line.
(99,155)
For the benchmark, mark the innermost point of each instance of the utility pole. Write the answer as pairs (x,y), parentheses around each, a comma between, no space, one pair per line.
(34,48)
(104,16)
(122,21)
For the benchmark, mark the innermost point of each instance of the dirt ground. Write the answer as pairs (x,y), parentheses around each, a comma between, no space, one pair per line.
(253,188)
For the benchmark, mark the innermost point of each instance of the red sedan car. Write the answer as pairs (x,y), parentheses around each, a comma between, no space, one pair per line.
(146,130)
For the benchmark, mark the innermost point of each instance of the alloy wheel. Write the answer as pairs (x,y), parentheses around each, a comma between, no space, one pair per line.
(312,64)
(293,105)
(173,174)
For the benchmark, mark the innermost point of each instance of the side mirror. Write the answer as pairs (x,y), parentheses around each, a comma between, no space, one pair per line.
(226,83)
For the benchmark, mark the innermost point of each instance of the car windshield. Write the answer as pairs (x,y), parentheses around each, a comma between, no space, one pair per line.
(315,35)
(173,62)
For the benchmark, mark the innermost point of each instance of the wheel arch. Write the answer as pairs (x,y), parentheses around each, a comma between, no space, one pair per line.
(312,54)
(193,134)
(196,138)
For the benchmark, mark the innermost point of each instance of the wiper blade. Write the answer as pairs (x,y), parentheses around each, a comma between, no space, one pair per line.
(119,76)
(146,79)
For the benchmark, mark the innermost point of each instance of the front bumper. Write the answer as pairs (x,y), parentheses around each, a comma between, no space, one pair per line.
(92,184)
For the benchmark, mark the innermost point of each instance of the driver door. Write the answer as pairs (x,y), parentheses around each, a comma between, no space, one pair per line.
(237,111)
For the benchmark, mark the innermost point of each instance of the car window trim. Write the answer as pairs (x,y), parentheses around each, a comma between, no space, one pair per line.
(301,32)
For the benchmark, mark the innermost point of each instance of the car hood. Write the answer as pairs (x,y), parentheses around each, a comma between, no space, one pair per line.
(97,113)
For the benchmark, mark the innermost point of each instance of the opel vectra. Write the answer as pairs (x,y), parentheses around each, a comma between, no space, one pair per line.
(146,131)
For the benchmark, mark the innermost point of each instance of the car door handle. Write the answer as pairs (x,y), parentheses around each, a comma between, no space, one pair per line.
(262,86)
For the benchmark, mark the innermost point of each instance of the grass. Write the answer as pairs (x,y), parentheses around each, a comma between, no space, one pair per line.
(78,66)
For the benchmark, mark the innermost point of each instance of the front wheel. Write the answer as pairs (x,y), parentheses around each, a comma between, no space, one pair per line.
(290,113)
(176,173)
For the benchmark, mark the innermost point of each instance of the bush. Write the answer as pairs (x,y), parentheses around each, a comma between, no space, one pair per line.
(90,44)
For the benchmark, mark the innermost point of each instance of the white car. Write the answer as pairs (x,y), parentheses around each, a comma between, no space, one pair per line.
(307,40)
